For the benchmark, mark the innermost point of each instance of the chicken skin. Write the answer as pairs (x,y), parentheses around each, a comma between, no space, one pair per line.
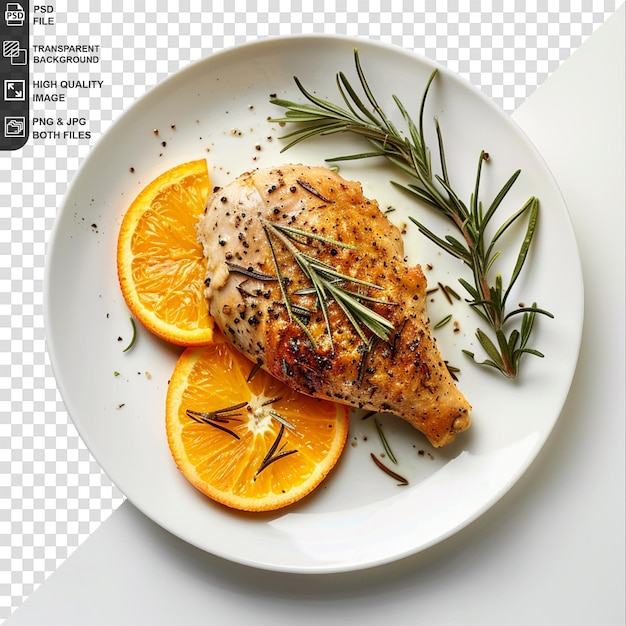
(263,235)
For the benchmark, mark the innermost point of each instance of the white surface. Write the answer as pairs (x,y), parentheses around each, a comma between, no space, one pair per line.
(339,528)
(550,552)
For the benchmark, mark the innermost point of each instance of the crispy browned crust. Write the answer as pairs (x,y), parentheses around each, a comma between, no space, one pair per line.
(406,375)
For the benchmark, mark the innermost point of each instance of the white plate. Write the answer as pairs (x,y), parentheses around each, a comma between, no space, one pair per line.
(218,108)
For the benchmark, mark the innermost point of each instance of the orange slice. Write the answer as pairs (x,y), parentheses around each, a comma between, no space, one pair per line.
(160,263)
(251,445)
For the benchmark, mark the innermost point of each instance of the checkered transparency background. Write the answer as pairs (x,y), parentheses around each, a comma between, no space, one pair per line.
(52,493)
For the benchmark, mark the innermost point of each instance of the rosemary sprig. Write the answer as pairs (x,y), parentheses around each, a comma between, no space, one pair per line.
(362,115)
(218,417)
(327,283)
(274,454)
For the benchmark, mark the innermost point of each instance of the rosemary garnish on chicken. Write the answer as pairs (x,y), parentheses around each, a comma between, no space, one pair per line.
(326,283)
(409,152)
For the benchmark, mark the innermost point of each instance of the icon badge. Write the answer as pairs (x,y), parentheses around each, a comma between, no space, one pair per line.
(14,90)
(14,14)
(11,49)
(14,126)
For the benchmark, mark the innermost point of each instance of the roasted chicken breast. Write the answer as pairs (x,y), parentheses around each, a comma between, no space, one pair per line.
(306,276)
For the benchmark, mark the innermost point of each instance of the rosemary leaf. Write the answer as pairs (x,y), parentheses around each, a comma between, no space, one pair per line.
(441,323)
(499,198)
(402,481)
(133,339)
(255,368)
(282,420)
(533,204)
(383,440)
